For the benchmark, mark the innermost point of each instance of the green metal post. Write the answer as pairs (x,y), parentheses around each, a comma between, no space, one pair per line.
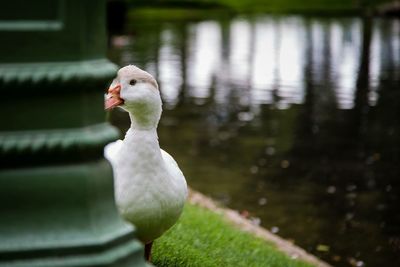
(56,190)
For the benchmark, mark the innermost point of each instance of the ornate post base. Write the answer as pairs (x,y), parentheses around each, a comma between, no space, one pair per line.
(63,215)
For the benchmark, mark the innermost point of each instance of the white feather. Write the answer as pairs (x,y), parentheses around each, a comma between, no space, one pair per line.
(111,150)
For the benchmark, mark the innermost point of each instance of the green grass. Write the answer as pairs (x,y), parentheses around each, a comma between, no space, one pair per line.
(176,13)
(203,238)
(300,5)
(274,6)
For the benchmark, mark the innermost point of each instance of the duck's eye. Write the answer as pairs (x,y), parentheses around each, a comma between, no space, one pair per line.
(132,82)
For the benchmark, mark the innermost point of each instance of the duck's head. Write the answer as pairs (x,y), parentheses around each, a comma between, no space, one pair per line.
(135,91)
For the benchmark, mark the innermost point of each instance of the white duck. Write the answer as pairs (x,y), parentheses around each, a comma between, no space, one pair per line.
(150,189)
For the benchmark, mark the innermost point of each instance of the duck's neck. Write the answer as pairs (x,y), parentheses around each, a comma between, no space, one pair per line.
(141,134)
(145,116)
(141,141)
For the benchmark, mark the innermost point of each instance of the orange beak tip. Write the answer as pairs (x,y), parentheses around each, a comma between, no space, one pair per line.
(112,99)
(112,102)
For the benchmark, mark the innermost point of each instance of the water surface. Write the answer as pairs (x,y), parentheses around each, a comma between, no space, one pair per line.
(292,120)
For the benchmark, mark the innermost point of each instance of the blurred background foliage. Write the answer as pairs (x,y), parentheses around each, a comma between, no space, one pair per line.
(304,6)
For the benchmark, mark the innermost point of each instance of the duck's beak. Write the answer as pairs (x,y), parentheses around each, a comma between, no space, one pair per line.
(113,98)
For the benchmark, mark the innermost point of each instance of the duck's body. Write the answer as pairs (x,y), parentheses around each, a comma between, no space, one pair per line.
(150,189)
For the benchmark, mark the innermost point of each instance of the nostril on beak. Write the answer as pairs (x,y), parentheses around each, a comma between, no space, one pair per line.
(115,90)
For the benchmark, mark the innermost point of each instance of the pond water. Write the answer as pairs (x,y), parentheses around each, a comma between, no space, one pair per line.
(293,121)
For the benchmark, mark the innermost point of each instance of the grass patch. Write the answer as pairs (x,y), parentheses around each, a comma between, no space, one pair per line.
(177,13)
(301,5)
(272,6)
(203,238)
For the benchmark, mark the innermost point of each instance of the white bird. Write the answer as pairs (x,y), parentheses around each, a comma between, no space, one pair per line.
(150,189)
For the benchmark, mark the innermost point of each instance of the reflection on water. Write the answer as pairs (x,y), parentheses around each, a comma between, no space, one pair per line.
(293,119)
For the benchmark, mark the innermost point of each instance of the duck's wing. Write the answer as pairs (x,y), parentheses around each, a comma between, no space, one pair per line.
(111,150)
(174,170)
